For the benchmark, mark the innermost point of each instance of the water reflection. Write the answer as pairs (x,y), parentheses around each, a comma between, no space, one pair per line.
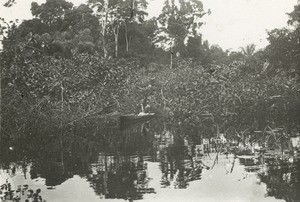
(282,178)
(120,177)
(142,162)
(180,162)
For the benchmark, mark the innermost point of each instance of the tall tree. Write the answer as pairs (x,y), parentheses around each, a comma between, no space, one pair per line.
(52,13)
(115,13)
(178,22)
(102,12)
(284,48)
(59,27)
(137,16)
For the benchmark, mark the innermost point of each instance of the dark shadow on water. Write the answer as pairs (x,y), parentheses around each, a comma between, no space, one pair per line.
(116,162)
(282,179)
(120,177)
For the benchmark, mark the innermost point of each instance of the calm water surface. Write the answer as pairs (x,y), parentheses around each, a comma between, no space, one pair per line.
(154,164)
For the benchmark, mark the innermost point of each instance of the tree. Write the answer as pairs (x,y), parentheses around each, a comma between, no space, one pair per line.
(102,11)
(195,48)
(52,13)
(114,14)
(137,16)
(284,48)
(59,28)
(249,50)
(137,40)
(295,16)
(179,22)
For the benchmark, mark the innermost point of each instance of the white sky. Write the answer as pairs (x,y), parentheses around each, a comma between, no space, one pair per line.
(232,23)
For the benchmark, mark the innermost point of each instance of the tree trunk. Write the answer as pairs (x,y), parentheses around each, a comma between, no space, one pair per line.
(61,128)
(129,42)
(0,103)
(104,47)
(171,62)
(126,38)
(104,25)
(116,33)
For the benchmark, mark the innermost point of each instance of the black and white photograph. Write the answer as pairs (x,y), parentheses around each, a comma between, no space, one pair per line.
(149,100)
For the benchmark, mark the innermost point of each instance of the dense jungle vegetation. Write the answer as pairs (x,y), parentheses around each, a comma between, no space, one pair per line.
(68,70)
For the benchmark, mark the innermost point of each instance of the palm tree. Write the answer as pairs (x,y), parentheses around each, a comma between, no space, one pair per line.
(249,50)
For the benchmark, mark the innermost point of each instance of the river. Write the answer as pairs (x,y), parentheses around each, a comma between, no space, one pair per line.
(147,162)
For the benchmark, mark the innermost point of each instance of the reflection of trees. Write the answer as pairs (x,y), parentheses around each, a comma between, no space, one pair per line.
(80,147)
(281,175)
(178,162)
(80,151)
(282,179)
(44,156)
(51,171)
(77,156)
(120,177)
(178,167)
(252,164)
(130,141)
(119,172)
